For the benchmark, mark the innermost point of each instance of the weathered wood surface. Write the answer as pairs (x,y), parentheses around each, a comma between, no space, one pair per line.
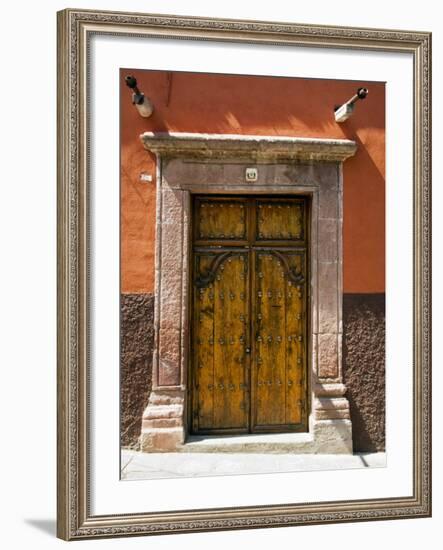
(249,319)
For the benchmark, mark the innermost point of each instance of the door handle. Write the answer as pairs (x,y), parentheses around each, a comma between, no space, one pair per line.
(248,350)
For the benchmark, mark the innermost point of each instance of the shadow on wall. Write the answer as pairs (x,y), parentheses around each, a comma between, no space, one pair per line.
(228,103)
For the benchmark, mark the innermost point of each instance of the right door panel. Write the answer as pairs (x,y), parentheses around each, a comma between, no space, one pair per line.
(279,339)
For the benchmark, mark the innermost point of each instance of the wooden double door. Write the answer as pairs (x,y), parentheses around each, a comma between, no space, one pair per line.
(249,314)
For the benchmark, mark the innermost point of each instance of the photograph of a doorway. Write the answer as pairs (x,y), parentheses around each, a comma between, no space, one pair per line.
(249,314)
(252,274)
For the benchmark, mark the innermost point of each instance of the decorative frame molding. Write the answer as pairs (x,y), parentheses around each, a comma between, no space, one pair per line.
(75,28)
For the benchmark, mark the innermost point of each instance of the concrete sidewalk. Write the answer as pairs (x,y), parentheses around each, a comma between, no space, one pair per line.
(137,465)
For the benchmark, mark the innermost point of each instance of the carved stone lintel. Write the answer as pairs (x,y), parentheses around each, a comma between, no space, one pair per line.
(219,146)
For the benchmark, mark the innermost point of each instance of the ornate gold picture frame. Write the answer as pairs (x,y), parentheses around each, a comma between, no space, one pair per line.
(75,31)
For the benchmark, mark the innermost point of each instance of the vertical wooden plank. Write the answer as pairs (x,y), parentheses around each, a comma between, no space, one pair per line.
(231,293)
(270,319)
(203,349)
(295,343)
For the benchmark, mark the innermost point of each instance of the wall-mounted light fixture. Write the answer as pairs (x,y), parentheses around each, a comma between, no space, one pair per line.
(143,103)
(344,111)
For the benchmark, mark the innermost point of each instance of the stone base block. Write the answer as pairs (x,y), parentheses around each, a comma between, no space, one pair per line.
(333,436)
(163,422)
(162,440)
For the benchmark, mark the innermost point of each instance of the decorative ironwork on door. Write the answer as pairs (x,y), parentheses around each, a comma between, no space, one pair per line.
(249,315)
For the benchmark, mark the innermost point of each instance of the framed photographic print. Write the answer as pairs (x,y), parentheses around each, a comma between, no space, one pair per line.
(244,283)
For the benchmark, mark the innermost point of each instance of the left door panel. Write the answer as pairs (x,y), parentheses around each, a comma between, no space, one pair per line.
(220,341)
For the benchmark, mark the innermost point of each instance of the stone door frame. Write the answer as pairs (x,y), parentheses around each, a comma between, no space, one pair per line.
(208,164)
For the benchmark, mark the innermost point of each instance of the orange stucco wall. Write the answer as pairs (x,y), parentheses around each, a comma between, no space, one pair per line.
(231,104)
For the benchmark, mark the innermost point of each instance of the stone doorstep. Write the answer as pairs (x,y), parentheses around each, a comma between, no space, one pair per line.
(331,436)
(249,443)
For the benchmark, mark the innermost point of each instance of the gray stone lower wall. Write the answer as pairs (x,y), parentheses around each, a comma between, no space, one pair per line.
(136,347)
(363,366)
